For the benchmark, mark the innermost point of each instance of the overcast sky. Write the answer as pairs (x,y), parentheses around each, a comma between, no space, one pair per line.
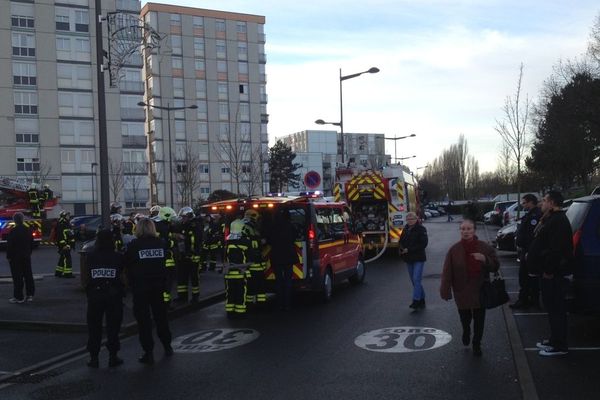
(446,65)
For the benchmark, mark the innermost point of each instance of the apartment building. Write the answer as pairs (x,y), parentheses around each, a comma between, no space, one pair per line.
(49,112)
(206,92)
(48,104)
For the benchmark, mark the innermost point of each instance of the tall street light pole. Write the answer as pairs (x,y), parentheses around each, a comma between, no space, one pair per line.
(93,189)
(395,139)
(372,70)
(403,158)
(168,108)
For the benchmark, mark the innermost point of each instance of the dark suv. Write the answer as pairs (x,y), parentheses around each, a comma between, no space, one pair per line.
(584,215)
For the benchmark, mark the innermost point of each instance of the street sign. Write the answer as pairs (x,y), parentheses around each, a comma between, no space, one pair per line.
(213,340)
(312,179)
(403,339)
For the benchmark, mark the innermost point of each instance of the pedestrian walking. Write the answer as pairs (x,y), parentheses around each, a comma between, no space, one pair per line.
(18,252)
(529,289)
(450,219)
(413,242)
(283,256)
(467,264)
(147,275)
(103,282)
(550,256)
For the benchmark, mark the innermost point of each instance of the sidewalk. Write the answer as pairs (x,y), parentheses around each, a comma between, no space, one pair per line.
(60,304)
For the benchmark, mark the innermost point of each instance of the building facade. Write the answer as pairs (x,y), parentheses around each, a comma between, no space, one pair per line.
(49,108)
(213,61)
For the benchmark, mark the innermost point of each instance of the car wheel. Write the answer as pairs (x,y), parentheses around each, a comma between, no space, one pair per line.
(327,286)
(361,271)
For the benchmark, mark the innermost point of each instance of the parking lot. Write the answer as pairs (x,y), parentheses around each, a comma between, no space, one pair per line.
(559,377)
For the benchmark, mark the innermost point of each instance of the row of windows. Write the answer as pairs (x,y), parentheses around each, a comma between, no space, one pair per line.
(198,22)
(72,20)
(220,47)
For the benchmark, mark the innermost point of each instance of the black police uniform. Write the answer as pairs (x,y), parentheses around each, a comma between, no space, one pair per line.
(529,285)
(105,294)
(146,272)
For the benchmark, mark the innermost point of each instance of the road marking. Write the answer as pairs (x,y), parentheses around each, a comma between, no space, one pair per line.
(402,339)
(213,340)
(521,314)
(570,348)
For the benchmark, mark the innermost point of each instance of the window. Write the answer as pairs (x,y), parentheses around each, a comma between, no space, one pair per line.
(20,21)
(76,132)
(204,168)
(28,159)
(224,132)
(244,132)
(82,21)
(200,89)
(24,73)
(27,130)
(23,44)
(198,47)
(176,63)
(175,19)
(176,45)
(180,129)
(71,20)
(240,27)
(225,169)
(222,90)
(75,104)
(243,68)
(77,188)
(177,87)
(224,111)
(243,89)
(26,103)
(74,76)
(221,48)
(244,112)
(198,22)
(62,19)
(220,25)
(204,191)
(199,65)
(22,15)
(73,48)
(202,131)
(201,111)
(242,51)
(222,66)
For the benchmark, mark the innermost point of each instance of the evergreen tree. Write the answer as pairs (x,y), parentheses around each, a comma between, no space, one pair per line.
(282,166)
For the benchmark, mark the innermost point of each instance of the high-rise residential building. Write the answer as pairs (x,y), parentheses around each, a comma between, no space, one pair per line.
(49,108)
(48,103)
(215,61)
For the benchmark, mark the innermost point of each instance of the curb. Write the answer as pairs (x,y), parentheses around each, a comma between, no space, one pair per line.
(126,331)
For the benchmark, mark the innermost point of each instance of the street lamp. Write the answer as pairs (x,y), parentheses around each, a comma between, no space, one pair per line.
(403,158)
(395,139)
(168,108)
(93,188)
(372,70)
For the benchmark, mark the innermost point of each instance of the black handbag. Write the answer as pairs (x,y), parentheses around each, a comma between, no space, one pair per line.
(493,292)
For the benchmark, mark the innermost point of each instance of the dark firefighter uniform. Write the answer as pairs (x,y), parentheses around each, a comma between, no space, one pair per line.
(65,241)
(256,271)
(212,244)
(163,228)
(529,287)
(128,226)
(190,242)
(235,277)
(146,273)
(116,230)
(105,292)
(34,202)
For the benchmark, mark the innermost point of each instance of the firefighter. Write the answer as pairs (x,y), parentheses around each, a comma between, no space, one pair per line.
(190,238)
(116,221)
(213,242)
(235,275)
(154,210)
(162,220)
(115,208)
(34,201)
(65,242)
(256,271)
(129,224)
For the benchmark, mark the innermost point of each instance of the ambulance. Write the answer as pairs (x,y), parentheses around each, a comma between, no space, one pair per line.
(327,243)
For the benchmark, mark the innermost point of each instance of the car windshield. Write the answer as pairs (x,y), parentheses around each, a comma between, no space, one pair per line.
(577,213)
(502,206)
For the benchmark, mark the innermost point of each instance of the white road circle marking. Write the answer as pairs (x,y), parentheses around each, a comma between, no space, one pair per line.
(213,340)
(403,339)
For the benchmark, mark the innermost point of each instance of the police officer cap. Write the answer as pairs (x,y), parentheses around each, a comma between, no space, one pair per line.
(186,212)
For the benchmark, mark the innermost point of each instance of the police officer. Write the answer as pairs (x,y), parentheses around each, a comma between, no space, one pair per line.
(104,287)
(256,271)
(235,275)
(529,287)
(189,242)
(147,276)
(162,221)
(65,242)
(116,221)
(34,201)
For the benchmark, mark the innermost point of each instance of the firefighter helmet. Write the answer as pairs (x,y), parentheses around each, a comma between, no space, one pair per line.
(154,210)
(251,215)
(64,213)
(116,218)
(187,212)
(115,208)
(166,214)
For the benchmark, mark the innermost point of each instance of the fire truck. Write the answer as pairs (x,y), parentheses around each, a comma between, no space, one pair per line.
(15,197)
(379,201)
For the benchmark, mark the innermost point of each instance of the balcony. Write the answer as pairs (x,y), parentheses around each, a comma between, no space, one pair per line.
(135,141)
(135,168)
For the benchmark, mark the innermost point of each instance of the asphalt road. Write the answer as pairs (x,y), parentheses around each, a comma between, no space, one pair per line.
(364,344)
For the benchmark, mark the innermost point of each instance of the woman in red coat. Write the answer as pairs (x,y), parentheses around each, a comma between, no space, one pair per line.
(467,263)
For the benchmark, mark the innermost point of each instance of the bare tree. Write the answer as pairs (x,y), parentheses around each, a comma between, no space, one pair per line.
(253,172)
(513,127)
(135,175)
(233,153)
(188,175)
(40,175)
(505,169)
(594,45)
(116,178)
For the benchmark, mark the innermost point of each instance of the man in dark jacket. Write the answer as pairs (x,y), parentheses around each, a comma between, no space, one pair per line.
(283,256)
(529,292)
(18,253)
(413,242)
(550,255)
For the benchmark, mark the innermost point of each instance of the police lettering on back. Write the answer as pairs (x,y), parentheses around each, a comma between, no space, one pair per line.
(151,253)
(104,273)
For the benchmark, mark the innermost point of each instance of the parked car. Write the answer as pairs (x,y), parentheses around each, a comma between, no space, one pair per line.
(487,217)
(499,207)
(584,215)
(85,226)
(510,214)
(505,238)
